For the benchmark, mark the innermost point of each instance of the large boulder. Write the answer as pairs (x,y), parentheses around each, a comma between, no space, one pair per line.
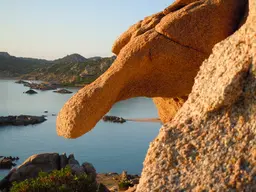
(210,145)
(157,57)
(46,162)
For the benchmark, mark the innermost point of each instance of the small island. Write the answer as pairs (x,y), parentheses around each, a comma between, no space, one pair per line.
(30,92)
(7,162)
(63,91)
(21,120)
(39,86)
(113,119)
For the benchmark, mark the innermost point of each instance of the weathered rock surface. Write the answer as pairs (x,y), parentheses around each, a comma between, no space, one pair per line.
(168,107)
(157,57)
(210,145)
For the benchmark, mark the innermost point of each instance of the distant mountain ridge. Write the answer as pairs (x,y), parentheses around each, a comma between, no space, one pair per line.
(11,66)
(70,70)
(73,58)
(4,54)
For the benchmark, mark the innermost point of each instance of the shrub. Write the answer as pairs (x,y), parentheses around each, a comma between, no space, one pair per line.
(124,185)
(58,180)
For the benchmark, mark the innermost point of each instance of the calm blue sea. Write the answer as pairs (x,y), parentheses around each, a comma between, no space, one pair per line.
(109,147)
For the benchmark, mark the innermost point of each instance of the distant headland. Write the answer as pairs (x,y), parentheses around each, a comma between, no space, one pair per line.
(71,70)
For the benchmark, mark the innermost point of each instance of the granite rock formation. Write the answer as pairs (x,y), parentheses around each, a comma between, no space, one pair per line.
(210,145)
(157,57)
(48,162)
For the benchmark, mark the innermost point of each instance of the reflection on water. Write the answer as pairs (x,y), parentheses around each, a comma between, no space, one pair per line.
(110,147)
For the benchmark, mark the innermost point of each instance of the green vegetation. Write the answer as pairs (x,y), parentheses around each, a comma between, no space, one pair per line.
(15,66)
(124,185)
(72,70)
(62,180)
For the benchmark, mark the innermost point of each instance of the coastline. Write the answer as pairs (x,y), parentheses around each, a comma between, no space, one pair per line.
(39,80)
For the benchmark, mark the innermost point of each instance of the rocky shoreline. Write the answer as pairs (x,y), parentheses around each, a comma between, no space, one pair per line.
(39,86)
(44,86)
(49,162)
(21,120)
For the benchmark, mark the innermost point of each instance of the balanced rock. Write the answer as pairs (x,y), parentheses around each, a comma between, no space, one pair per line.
(157,57)
(210,145)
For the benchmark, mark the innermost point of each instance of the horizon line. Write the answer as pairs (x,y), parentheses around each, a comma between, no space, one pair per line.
(27,57)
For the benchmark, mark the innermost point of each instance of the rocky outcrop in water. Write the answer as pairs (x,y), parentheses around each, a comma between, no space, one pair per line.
(30,92)
(39,86)
(21,120)
(210,144)
(113,119)
(6,163)
(63,91)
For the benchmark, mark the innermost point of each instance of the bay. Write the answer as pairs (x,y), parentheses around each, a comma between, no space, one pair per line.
(109,147)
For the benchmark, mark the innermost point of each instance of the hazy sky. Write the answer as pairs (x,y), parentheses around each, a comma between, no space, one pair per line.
(52,29)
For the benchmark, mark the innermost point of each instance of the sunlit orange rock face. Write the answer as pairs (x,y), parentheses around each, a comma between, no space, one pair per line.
(157,57)
(210,144)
